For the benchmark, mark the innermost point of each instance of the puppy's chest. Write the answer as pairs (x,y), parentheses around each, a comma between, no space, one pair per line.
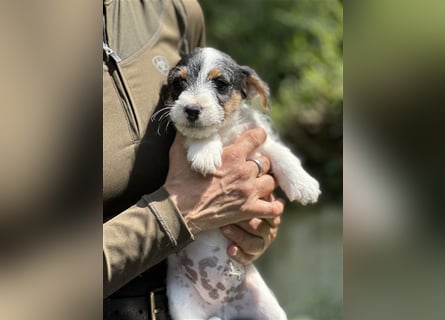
(241,121)
(207,268)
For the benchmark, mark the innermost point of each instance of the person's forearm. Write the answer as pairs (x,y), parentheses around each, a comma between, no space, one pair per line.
(141,237)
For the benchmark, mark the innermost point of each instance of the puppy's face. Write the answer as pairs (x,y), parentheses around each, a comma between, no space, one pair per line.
(206,87)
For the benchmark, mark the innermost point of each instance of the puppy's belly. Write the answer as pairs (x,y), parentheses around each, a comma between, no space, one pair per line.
(204,266)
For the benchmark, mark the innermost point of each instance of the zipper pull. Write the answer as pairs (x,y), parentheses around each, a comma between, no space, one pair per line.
(110,53)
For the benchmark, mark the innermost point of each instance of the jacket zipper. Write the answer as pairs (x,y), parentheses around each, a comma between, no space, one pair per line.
(112,61)
(110,53)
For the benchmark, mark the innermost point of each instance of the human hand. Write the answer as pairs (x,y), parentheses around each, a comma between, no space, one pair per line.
(250,238)
(233,194)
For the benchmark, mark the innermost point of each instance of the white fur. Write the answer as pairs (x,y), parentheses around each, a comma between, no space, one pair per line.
(202,281)
(237,292)
(211,118)
(205,154)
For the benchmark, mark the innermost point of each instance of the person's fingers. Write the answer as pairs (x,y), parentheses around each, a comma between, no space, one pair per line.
(275,222)
(250,243)
(237,254)
(260,228)
(265,185)
(179,138)
(263,209)
(257,227)
(264,163)
(177,148)
(250,141)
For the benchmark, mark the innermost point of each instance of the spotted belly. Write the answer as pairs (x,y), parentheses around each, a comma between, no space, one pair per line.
(210,270)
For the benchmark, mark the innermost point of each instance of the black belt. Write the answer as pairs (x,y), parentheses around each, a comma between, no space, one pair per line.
(151,307)
(142,298)
(145,283)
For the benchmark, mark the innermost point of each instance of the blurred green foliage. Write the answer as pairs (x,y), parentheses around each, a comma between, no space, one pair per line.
(296,47)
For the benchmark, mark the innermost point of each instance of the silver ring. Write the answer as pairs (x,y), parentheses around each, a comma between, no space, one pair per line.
(259,165)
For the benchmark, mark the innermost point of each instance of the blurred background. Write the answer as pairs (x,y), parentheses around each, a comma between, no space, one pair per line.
(296,48)
(393,226)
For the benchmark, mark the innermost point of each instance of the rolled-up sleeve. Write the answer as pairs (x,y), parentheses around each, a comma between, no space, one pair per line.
(141,237)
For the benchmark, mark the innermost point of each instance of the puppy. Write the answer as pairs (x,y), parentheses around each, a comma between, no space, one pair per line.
(208,94)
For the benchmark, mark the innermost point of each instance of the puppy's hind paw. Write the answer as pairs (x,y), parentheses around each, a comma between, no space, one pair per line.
(303,189)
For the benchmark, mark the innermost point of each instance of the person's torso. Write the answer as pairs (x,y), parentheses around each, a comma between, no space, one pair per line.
(146,38)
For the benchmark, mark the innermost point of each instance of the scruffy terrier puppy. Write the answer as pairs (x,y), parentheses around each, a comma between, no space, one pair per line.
(208,95)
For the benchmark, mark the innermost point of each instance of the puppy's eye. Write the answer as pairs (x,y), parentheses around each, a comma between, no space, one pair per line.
(220,84)
(179,82)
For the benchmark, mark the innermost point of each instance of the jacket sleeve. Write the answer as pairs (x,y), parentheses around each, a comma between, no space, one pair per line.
(141,237)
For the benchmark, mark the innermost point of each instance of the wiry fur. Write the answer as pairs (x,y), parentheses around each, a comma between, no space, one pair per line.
(208,105)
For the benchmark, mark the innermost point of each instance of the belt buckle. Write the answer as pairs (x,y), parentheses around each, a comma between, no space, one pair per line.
(158,308)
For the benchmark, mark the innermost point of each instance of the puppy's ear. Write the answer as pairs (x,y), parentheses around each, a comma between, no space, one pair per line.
(252,85)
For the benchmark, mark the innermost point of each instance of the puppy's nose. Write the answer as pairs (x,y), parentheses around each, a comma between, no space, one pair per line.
(192,111)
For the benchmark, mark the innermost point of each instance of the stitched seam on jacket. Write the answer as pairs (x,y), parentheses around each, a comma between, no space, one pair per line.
(133,136)
(131,108)
(163,224)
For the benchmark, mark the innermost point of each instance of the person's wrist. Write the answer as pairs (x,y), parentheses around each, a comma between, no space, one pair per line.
(193,228)
(174,198)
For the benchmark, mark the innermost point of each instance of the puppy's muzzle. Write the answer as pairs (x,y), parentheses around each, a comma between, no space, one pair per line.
(192,112)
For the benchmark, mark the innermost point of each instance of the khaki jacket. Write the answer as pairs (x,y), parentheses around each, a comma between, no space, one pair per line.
(143,39)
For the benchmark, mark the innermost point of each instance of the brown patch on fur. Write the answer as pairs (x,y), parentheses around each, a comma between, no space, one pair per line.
(189,272)
(220,286)
(214,73)
(213,294)
(256,86)
(239,296)
(209,262)
(182,72)
(232,104)
(206,284)
(186,261)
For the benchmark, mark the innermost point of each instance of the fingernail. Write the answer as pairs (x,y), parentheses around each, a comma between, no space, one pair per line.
(233,251)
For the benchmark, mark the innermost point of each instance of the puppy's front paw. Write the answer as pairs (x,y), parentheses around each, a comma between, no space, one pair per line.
(302,187)
(205,155)
(205,162)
